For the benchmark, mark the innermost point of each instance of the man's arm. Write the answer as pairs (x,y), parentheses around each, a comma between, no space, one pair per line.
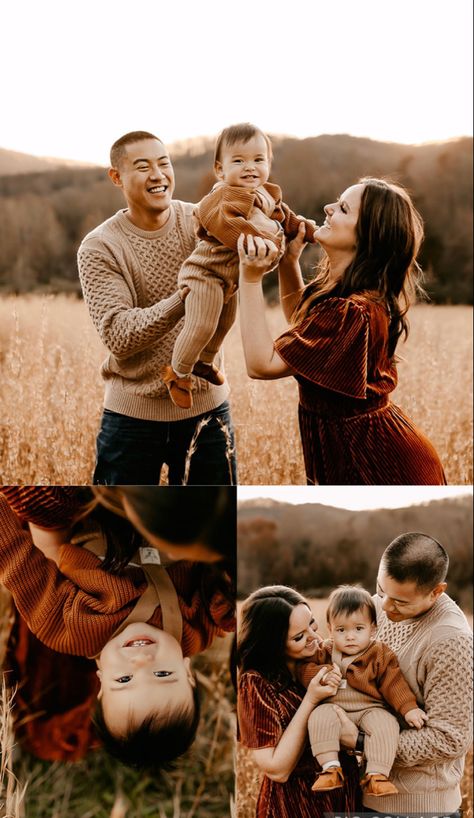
(124,328)
(448,703)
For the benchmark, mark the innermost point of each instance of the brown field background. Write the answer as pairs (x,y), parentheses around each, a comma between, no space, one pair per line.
(51,395)
(248,779)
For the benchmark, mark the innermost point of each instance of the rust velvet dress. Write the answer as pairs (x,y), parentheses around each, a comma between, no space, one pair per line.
(264,712)
(351,432)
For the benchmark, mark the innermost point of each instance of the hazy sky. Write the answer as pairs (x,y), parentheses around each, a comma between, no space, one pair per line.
(77,76)
(354,497)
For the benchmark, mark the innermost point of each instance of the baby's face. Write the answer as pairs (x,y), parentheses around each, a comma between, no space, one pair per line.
(244,164)
(142,672)
(352,633)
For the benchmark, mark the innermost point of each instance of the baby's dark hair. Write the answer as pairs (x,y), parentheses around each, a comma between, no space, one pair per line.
(348,599)
(156,742)
(243,132)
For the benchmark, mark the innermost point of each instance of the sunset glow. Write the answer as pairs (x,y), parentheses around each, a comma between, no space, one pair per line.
(78,76)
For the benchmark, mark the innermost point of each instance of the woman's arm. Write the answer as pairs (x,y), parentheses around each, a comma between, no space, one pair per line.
(279,762)
(289,273)
(261,359)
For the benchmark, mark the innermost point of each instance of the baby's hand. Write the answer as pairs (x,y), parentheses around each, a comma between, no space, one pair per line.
(332,676)
(416,718)
(307,226)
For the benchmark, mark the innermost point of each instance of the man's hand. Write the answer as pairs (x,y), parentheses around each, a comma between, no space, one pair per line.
(416,718)
(183,292)
(349,732)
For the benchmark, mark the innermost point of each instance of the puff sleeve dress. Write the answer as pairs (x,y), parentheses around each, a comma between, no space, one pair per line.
(352,434)
(264,713)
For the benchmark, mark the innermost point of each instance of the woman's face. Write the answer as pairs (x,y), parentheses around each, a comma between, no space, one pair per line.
(194,552)
(302,639)
(338,232)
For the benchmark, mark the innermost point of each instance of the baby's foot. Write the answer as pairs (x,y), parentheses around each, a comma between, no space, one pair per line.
(330,779)
(378,784)
(209,372)
(180,389)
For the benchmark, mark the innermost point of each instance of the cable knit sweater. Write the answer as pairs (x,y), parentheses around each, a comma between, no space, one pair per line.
(129,281)
(78,613)
(434,652)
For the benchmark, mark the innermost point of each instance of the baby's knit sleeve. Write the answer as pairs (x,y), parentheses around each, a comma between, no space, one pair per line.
(392,684)
(224,214)
(291,223)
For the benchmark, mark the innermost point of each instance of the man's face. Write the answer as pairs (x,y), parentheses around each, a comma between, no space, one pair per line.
(142,672)
(145,174)
(405,600)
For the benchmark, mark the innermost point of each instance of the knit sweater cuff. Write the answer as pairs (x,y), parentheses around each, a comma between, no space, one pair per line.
(173,306)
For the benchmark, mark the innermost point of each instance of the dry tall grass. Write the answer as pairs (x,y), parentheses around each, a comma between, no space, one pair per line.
(51,395)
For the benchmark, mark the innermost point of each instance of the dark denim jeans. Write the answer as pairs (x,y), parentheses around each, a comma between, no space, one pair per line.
(131,451)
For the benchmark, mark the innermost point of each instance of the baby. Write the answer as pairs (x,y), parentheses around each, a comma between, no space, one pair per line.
(148,707)
(242,201)
(371,679)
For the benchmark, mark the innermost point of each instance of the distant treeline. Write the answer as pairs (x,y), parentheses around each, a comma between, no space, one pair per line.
(43,216)
(315,548)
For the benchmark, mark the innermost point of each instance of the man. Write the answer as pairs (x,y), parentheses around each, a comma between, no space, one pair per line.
(128,268)
(433,644)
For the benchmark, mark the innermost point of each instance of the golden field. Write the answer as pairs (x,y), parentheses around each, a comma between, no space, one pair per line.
(247,777)
(51,395)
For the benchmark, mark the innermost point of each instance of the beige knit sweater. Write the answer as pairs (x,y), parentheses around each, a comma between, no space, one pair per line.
(435,656)
(129,281)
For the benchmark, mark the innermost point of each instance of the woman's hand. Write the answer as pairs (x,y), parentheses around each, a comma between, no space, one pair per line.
(324,684)
(349,732)
(257,258)
(289,273)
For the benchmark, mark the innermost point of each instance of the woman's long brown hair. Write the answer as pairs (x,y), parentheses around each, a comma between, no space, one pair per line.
(389,233)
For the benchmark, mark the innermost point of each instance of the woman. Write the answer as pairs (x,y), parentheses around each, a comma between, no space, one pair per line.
(278,629)
(340,346)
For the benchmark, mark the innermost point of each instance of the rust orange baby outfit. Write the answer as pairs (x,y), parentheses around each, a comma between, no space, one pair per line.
(212,270)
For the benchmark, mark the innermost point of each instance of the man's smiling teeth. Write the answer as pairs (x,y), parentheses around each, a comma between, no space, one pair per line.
(160,189)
